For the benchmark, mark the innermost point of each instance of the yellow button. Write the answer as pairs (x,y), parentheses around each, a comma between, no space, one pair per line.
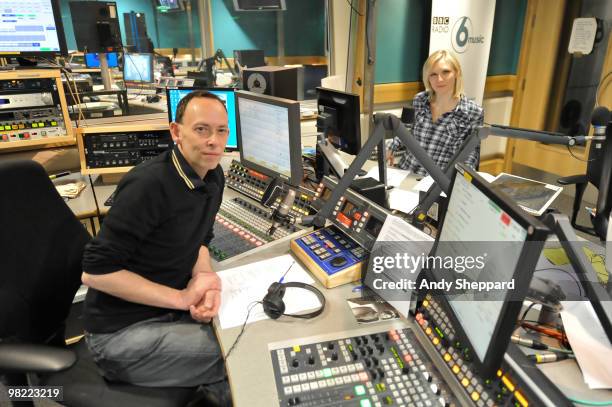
(499,373)
(465,382)
(34,125)
(456,369)
(435,341)
(15,127)
(425,303)
(508,383)
(296,348)
(21,126)
(7,127)
(521,399)
(53,123)
(428,331)
(475,396)
(447,357)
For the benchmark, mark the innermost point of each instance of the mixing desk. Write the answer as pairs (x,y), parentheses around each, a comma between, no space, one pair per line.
(386,368)
(241,226)
(253,184)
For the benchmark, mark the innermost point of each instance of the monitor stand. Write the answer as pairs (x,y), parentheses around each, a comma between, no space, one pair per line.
(104,71)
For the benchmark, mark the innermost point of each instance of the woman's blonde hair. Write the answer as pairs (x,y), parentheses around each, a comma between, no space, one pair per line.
(451,59)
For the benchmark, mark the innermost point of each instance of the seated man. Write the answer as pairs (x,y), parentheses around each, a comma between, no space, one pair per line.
(152,291)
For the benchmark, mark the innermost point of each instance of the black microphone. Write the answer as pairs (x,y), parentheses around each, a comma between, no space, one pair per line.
(282,212)
(599,121)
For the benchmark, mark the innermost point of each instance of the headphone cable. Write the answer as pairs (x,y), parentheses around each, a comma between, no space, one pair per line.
(249,309)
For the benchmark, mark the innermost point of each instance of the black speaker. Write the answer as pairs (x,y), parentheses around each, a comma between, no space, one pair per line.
(279,81)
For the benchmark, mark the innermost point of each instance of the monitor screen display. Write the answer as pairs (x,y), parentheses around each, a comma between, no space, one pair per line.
(269,134)
(483,224)
(168,5)
(93,60)
(32,27)
(227,95)
(138,68)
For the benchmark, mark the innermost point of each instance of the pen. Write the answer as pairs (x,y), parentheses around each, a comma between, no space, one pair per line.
(61,174)
(283,277)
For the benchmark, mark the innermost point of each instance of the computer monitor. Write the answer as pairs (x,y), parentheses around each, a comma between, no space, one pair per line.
(249,58)
(92,60)
(168,5)
(138,68)
(259,5)
(485,224)
(96,26)
(174,96)
(32,28)
(339,119)
(269,135)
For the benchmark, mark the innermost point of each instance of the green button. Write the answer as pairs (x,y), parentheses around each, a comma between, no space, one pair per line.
(360,390)
(365,403)
(327,372)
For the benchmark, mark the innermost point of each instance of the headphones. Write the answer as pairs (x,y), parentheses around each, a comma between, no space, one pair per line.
(274,306)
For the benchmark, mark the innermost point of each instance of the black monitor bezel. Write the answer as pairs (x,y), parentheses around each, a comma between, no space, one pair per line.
(191,89)
(238,8)
(126,58)
(61,37)
(355,147)
(536,237)
(295,142)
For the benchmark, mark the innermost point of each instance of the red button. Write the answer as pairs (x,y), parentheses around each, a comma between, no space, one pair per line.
(26,135)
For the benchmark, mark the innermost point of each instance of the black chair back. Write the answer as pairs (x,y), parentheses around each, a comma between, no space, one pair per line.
(41,242)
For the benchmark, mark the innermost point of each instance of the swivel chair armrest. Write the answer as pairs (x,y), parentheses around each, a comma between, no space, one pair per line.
(573,179)
(29,358)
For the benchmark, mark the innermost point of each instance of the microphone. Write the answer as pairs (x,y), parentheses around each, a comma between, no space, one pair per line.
(599,121)
(281,213)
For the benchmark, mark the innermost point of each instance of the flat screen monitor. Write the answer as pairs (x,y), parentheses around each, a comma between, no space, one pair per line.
(96,26)
(259,5)
(269,135)
(31,28)
(338,117)
(174,96)
(138,68)
(168,5)
(92,60)
(505,244)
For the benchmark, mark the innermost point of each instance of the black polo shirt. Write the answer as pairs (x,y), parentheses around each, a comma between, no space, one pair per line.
(162,213)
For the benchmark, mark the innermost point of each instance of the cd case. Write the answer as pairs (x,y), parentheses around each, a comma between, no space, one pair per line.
(533,196)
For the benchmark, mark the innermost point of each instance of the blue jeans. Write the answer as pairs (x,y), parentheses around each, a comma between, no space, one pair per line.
(171,350)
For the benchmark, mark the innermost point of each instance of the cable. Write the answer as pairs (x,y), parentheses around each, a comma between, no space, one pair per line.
(576,157)
(522,318)
(603,80)
(568,273)
(350,3)
(590,403)
(250,308)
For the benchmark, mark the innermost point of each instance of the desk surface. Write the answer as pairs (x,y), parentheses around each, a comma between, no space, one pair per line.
(250,369)
(84,205)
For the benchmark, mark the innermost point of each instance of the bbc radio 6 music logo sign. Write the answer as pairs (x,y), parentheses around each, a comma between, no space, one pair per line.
(462,35)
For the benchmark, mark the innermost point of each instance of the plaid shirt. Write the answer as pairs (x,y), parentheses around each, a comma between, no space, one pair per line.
(442,139)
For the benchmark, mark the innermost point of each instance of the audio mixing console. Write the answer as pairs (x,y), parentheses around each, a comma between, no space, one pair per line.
(241,226)
(385,368)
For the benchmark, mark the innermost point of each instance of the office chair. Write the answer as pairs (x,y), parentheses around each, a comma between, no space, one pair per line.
(40,271)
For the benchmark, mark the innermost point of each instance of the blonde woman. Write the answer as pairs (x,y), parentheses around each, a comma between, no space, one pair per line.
(443,116)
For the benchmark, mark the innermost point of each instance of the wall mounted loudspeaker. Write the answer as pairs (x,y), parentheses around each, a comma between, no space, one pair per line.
(279,81)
